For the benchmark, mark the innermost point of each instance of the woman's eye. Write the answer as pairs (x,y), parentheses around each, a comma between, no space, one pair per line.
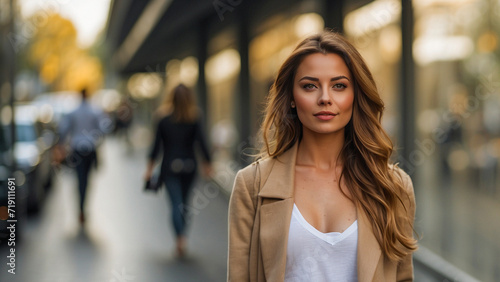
(309,86)
(340,86)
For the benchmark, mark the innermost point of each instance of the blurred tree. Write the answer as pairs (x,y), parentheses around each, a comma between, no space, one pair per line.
(60,62)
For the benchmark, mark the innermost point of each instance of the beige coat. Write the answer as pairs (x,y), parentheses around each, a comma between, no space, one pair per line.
(266,224)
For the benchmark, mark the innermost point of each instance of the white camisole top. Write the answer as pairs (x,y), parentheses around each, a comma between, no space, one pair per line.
(316,256)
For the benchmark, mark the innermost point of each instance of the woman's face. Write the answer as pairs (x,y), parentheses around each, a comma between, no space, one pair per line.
(323,93)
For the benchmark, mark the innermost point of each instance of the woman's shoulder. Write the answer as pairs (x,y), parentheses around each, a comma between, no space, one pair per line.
(159,118)
(262,165)
(245,180)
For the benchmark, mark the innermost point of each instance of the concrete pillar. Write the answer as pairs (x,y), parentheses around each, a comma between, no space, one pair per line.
(333,14)
(243,98)
(202,58)
(407,126)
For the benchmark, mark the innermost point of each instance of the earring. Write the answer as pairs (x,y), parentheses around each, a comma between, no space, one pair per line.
(292,104)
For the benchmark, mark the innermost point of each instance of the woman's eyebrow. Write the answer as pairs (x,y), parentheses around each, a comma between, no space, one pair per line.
(317,79)
(339,77)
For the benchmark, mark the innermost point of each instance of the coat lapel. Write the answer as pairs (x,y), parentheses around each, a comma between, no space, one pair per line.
(277,180)
(369,252)
(276,212)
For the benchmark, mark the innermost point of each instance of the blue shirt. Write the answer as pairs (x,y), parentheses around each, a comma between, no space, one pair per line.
(85,127)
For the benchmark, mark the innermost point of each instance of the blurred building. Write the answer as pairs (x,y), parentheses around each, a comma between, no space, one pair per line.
(7,75)
(435,62)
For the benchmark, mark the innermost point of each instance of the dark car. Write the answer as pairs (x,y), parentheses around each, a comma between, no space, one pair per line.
(19,200)
(33,155)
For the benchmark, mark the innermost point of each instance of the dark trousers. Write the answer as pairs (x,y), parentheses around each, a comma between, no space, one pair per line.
(178,188)
(82,162)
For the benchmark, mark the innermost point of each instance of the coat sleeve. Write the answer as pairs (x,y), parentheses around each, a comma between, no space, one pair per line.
(241,220)
(405,267)
(156,148)
(200,137)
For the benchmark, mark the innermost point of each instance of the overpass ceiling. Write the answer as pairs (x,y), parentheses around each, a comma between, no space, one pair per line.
(165,32)
(168,25)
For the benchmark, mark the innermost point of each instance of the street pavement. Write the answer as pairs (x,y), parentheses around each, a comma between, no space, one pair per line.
(127,236)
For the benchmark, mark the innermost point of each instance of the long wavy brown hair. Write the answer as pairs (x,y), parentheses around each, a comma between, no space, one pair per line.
(373,184)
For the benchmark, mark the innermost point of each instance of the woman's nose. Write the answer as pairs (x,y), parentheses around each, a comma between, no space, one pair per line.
(325,98)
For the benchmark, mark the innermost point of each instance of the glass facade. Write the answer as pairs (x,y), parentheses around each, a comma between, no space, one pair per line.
(375,31)
(222,71)
(458,127)
(457,147)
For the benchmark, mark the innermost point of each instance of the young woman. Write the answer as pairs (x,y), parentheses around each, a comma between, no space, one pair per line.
(177,134)
(323,203)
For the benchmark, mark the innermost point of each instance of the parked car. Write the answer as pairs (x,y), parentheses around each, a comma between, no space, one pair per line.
(19,196)
(32,152)
(52,107)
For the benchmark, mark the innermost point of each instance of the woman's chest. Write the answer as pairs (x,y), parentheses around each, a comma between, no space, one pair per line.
(322,201)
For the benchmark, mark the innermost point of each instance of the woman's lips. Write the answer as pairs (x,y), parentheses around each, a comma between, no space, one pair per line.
(325,115)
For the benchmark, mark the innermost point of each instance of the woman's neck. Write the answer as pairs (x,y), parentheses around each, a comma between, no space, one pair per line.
(320,150)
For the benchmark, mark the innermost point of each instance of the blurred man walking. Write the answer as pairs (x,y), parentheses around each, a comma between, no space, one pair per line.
(83,129)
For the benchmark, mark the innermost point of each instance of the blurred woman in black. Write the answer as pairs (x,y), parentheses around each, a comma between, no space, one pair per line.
(178,132)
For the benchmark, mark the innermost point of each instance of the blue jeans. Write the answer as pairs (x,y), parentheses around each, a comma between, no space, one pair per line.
(178,188)
(82,162)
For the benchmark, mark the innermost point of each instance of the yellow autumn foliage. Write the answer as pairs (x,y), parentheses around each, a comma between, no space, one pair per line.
(61,63)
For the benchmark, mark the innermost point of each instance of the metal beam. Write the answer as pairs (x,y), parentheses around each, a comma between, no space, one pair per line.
(140,31)
(116,18)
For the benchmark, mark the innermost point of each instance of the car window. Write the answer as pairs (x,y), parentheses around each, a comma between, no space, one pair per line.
(25,133)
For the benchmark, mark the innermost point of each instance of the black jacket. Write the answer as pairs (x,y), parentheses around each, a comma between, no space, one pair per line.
(178,141)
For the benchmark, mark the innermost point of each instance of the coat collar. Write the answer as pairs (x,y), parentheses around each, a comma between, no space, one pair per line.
(278,175)
(277,185)
(276,194)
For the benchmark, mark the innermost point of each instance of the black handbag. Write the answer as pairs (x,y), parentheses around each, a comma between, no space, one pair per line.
(154,183)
